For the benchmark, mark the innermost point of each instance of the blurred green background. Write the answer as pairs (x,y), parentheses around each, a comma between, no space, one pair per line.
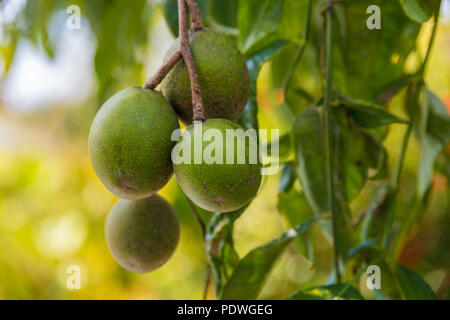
(52,206)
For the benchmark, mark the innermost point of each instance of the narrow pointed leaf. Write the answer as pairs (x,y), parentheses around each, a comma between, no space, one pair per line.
(411,285)
(253,270)
(331,292)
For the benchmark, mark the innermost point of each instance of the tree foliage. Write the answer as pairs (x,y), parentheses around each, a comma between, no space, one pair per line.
(368,71)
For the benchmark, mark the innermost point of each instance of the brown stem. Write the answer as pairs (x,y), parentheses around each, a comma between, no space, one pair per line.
(197,101)
(196,16)
(207,282)
(152,82)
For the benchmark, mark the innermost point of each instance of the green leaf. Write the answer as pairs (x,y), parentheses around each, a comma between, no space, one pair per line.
(225,12)
(355,152)
(287,177)
(411,285)
(364,246)
(123,30)
(258,23)
(294,208)
(262,22)
(366,61)
(369,115)
(285,147)
(391,89)
(253,270)
(419,10)
(222,258)
(331,292)
(434,135)
(382,171)
(310,158)
(249,119)
(230,258)
(377,218)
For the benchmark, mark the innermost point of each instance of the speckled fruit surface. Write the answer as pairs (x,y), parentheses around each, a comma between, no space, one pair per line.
(142,234)
(217,187)
(223,78)
(130,145)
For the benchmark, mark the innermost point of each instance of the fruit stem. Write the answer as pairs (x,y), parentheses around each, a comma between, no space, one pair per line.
(156,79)
(196,16)
(328,135)
(185,48)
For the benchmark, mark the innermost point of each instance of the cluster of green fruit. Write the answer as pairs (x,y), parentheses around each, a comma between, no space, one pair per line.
(130,148)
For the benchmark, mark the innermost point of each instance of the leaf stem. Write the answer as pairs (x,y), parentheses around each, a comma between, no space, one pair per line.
(328,135)
(185,48)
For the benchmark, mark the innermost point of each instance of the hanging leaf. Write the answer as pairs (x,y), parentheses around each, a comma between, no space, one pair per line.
(434,135)
(124,25)
(331,292)
(377,218)
(355,152)
(419,10)
(287,177)
(225,12)
(294,208)
(367,60)
(253,270)
(368,115)
(411,284)
(262,22)
(382,171)
(249,117)
(222,257)
(285,147)
(228,254)
(310,159)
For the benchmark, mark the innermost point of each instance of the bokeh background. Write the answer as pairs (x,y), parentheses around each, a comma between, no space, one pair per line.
(52,207)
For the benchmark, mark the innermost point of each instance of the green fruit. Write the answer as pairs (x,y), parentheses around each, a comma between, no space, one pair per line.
(142,234)
(130,143)
(223,77)
(215,186)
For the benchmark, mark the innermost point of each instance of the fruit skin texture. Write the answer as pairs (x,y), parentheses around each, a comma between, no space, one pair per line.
(130,145)
(142,234)
(218,187)
(223,77)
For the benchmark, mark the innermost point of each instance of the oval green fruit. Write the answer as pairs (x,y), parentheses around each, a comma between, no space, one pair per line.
(142,234)
(219,173)
(223,77)
(130,142)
